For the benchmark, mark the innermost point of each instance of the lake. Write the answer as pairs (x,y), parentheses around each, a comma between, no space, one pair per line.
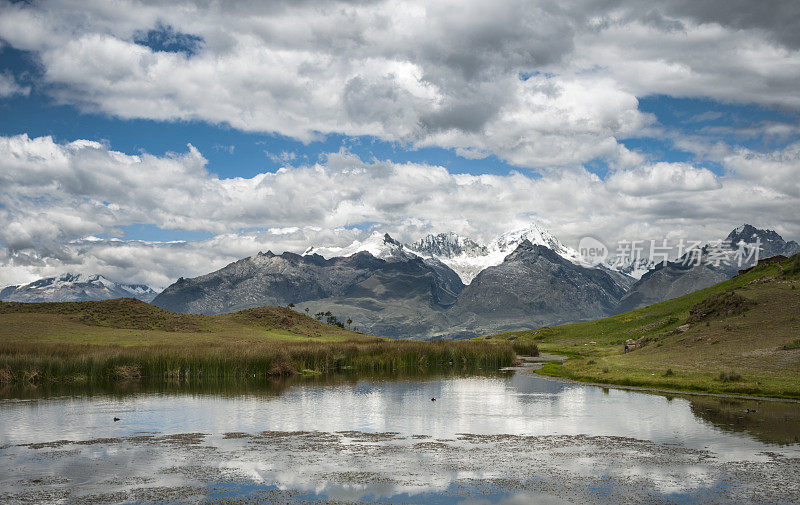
(510,438)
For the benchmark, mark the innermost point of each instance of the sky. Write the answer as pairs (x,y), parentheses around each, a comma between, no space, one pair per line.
(148,140)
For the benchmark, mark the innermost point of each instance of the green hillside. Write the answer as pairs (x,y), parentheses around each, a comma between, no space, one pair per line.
(126,339)
(740,336)
(128,321)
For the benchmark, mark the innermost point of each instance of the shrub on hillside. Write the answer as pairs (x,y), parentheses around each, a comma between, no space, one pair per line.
(729,377)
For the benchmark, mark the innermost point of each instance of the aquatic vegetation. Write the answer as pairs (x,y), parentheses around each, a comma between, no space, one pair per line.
(35,363)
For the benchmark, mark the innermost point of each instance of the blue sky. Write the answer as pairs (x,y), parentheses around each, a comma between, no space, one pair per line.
(682,122)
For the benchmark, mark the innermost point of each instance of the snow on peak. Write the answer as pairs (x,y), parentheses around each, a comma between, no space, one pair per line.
(468,258)
(380,245)
(447,245)
(76,287)
(462,254)
(535,234)
(70,279)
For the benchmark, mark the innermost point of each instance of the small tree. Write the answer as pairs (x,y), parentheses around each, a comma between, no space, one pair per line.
(291,305)
(349,322)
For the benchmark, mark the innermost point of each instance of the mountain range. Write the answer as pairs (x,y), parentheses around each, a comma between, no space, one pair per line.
(75,288)
(442,285)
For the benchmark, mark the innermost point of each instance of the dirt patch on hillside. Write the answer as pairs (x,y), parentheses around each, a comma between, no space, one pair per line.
(719,305)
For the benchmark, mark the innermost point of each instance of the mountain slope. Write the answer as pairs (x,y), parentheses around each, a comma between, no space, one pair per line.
(75,288)
(680,278)
(738,336)
(533,286)
(394,288)
(669,281)
(266,279)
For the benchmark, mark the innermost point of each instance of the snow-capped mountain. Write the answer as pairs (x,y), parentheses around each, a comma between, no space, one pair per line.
(448,245)
(462,254)
(380,245)
(468,258)
(70,287)
(376,282)
(523,278)
(384,247)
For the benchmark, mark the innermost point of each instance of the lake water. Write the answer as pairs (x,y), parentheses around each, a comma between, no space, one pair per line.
(505,438)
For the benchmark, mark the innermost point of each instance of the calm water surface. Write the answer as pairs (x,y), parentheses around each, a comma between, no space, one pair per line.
(510,438)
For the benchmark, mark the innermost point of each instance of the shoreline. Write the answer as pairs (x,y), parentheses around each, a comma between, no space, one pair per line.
(534,367)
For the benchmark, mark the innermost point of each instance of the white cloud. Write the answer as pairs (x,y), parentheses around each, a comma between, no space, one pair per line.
(443,74)
(662,178)
(53,196)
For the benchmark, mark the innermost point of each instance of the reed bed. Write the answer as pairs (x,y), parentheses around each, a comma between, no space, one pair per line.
(34,363)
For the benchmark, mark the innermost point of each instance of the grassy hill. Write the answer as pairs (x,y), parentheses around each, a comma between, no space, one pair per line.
(740,336)
(126,339)
(128,321)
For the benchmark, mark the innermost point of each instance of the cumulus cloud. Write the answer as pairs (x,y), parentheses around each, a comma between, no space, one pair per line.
(661,178)
(448,74)
(55,197)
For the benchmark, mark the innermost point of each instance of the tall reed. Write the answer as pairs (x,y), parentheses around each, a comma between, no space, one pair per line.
(41,363)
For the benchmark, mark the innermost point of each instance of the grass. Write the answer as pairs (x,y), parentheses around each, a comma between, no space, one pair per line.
(125,339)
(744,329)
(130,322)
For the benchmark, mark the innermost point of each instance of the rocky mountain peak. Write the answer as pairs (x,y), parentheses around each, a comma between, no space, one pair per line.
(771,242)
(380,245)
(524,247)
(447,246)
(528,251)
(749,233)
